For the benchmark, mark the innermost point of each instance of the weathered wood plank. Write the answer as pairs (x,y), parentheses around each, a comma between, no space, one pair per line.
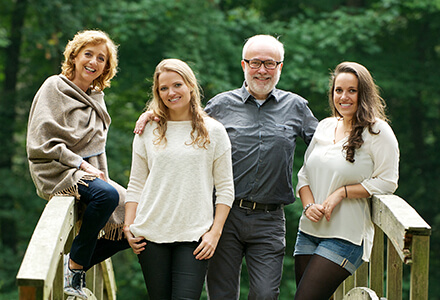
(394,273)
(361,275)
(348,284)
(108,276)
(377,262)
(399,221)
(46,245)
(420,268)
(339,293)
(58,283)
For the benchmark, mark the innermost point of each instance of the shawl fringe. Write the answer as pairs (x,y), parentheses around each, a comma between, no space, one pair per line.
(70,191)
(73,190)
(111,231)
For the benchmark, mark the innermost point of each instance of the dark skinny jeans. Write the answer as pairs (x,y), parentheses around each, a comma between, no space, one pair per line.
(101,199)
(171,271)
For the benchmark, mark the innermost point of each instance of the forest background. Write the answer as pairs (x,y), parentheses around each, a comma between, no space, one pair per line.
(397,40)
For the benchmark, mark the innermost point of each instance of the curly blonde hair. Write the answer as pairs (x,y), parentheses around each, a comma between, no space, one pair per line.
(371,105)
(199,133)
(93,37)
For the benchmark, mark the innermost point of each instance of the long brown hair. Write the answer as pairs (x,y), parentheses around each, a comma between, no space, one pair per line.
(371,105)
(199,133)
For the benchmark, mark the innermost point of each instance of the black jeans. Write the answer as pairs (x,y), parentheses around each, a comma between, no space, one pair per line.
(171,270)
(101,199)
(260,238)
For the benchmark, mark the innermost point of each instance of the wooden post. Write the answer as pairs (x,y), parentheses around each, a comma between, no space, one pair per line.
(377,262)
(361,275)
(419,268)
(348,284)
(339,293)
(394,273)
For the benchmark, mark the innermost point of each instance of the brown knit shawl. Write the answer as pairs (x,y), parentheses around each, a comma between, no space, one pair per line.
(67,125)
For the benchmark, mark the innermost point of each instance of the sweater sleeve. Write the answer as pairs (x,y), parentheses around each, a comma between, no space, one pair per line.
(223,180)
(139,171)
(384,150)
(222,167)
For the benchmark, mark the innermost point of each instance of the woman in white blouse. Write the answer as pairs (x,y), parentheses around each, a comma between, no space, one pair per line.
(177,161)
(353,155)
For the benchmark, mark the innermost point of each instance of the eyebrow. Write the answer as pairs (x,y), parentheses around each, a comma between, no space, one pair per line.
(350,87)
(100,53)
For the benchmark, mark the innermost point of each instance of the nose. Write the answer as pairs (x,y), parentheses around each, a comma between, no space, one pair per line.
(93,60)
(171,91)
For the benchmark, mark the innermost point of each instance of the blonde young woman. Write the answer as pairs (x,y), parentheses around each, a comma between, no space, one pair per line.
(170,221)
(353,155)
(67,132)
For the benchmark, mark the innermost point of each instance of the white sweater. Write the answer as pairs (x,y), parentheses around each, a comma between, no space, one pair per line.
(173,183)
(325,169)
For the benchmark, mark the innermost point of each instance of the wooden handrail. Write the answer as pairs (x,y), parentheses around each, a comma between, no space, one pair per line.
(41,272)
(407,243)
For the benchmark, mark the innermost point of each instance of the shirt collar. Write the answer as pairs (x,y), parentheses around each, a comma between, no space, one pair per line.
(245,95)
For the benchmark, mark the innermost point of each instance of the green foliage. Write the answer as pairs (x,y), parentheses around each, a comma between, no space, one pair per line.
(397,40)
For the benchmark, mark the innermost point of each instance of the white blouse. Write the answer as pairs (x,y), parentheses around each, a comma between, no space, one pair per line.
(174,184)
(325,169)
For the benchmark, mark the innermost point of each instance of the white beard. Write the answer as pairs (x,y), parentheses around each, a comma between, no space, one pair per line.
(260,89)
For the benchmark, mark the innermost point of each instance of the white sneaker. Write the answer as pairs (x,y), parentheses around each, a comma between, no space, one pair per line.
(73,280)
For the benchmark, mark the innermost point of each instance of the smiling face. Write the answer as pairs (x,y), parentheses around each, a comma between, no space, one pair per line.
(89,64)
(175,94)
(345,95)
(261,81)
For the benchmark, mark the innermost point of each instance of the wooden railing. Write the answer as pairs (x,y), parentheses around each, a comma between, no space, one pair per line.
(407,242)
(407,235)
(41,273)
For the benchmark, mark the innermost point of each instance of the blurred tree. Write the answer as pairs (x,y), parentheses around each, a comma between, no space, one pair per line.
(395,39)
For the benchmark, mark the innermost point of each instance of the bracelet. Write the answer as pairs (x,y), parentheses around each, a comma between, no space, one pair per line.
(307,207)
(345,188)
(126,225)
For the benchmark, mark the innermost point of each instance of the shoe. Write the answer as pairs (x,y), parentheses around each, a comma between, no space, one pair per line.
(84,280)
(73,280)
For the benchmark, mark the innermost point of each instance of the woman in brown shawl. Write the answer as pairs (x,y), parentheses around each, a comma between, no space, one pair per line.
(67,132)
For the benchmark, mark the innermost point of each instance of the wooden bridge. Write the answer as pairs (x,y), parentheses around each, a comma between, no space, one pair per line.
(401,236)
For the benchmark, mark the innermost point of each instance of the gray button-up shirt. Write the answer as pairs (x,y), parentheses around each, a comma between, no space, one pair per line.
(263,141)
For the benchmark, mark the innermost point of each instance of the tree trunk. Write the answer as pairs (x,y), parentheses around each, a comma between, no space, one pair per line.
(7,119)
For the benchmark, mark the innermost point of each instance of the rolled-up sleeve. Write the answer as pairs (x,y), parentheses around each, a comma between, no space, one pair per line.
(384,150)
(303,179)
(309,124)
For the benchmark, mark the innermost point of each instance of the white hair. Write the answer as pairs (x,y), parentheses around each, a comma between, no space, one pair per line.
(267,39)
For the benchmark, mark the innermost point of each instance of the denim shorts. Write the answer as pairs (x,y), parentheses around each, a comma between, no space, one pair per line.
(341,252)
